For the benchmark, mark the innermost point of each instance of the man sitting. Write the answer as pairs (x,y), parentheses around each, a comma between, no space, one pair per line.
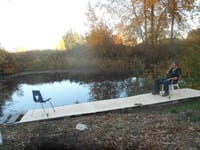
(173,75)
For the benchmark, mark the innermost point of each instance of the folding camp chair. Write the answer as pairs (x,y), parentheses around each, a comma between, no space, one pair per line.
(37,97)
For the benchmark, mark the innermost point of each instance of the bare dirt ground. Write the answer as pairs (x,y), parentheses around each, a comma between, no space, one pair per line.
(142,128)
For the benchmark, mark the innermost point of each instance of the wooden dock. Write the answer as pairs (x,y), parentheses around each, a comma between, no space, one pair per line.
(107,105)
(10,118)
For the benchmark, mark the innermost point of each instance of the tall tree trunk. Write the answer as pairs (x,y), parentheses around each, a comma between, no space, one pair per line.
(145,22)
(140,29)
(172,50)
(152,25)
(172,11)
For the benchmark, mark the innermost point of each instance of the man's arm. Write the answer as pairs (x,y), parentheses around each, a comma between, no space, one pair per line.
(174,78)
(178,73)
(168,70)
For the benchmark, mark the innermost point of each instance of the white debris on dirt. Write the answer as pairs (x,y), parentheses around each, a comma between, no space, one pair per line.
(81,127)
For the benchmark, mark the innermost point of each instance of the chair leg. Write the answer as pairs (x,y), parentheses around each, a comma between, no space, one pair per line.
(43,108)
(52,106)
(178,88)
(170,90)
(162,88)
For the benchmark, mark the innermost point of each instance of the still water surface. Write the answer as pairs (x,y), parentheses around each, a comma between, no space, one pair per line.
(68,92)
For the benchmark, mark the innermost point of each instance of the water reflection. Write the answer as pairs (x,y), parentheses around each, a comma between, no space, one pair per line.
(16,95)
(104,90)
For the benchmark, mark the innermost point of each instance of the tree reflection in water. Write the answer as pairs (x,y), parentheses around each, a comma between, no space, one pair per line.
(115,89)
(7,90)
(104,90)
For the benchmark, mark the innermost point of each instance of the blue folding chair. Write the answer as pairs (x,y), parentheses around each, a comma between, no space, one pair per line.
(37,97)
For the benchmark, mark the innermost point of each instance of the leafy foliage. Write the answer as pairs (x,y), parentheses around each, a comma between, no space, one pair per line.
(7,62)
(146,20)
(72,39)
(194,35)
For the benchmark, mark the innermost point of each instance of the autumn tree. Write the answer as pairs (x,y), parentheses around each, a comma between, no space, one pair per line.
(176,10)
(100,37)
(117,40)
(7,62)
(194,35)
(147,20)
(100,40)
(137,20)
(61,45)
(72,39)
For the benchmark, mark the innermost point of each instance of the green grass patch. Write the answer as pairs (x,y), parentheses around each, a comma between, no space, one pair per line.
(195,118)
(191,106)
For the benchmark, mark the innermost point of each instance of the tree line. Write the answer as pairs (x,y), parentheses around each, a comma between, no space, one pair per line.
(147,21)
(130,36)
(97,52)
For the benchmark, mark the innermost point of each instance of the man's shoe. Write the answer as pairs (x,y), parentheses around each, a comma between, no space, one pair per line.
(165,94)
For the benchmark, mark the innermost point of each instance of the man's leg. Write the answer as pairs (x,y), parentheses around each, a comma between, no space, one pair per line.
(157,84)
(166,87)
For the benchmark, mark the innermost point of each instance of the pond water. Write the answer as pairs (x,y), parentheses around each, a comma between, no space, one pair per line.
(66,92)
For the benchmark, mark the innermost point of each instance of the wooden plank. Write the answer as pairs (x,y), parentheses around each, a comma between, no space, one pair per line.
(4,118)
(1,138)
(107,105)
(13,118)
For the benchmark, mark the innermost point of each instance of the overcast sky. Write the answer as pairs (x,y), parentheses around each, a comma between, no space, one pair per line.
(39,24)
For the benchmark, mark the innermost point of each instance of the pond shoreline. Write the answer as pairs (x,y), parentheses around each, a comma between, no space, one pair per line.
(74,70)
(82,74)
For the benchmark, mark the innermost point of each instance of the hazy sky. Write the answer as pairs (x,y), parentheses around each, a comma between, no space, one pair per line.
(39,24)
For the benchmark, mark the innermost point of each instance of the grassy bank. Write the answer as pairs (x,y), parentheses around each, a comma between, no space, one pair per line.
(192,109)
